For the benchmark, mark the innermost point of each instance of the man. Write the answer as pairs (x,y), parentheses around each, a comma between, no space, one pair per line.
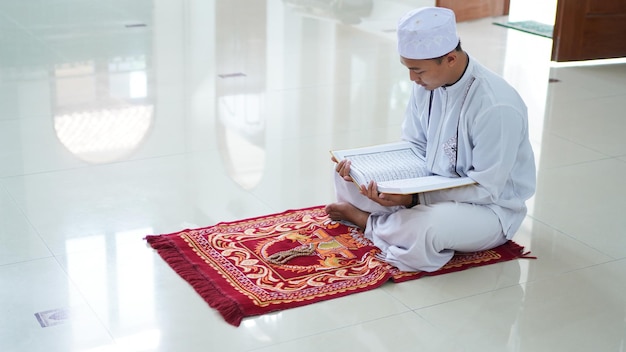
(466,121)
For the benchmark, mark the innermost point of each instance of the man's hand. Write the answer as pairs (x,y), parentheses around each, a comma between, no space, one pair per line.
(343,168)
(384,199)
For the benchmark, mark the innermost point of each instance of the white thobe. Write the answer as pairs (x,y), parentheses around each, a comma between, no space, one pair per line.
(477,127)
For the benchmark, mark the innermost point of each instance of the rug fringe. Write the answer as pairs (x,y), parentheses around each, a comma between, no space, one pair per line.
(227,307)
(517,251)
(526,255)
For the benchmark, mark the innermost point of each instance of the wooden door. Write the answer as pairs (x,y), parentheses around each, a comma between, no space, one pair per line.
(589,29)
(466,10)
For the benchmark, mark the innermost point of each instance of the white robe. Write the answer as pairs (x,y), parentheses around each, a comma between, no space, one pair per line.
(477,127)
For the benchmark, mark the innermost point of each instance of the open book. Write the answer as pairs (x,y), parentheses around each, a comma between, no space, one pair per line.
(396,167)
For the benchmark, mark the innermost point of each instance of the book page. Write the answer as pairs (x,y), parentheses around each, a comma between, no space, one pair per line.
(396,168)
(386,165)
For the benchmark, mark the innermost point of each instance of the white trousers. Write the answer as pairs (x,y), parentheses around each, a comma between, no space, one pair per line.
(424,237)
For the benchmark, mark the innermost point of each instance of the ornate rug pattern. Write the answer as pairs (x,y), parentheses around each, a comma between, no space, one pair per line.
(290,259)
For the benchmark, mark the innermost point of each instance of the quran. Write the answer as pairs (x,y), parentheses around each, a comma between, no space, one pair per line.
(396,168)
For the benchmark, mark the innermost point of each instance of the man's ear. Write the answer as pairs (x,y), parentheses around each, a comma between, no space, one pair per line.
(452,58)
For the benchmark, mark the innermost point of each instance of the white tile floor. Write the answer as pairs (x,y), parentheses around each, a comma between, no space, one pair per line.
(115,123)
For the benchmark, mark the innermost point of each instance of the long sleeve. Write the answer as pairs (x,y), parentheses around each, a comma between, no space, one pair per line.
(415,122)
(497,136)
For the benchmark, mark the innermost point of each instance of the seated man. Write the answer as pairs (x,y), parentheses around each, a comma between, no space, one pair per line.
(466,121)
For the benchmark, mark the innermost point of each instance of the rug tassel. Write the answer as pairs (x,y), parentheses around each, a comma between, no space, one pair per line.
(526,255)
(227,307)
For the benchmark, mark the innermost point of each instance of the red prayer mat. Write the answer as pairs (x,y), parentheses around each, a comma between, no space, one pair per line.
(290,259)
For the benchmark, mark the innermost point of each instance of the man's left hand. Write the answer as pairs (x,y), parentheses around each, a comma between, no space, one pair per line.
(384,199)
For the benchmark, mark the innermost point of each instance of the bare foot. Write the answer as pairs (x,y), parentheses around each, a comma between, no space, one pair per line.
(348,212)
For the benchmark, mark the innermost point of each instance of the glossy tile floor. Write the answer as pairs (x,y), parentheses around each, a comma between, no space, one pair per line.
(125,118)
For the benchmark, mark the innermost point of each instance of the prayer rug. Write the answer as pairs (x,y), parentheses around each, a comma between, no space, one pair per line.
(290,259)
(532,27)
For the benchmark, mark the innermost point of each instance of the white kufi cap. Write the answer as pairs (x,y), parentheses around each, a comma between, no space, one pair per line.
(427,33)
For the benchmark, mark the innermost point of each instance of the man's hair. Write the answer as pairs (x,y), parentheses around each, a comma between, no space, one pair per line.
(440,58)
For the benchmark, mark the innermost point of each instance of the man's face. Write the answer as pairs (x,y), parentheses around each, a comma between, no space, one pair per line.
(430,74)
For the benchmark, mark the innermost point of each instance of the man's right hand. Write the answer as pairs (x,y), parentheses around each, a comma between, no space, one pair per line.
(343,168)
